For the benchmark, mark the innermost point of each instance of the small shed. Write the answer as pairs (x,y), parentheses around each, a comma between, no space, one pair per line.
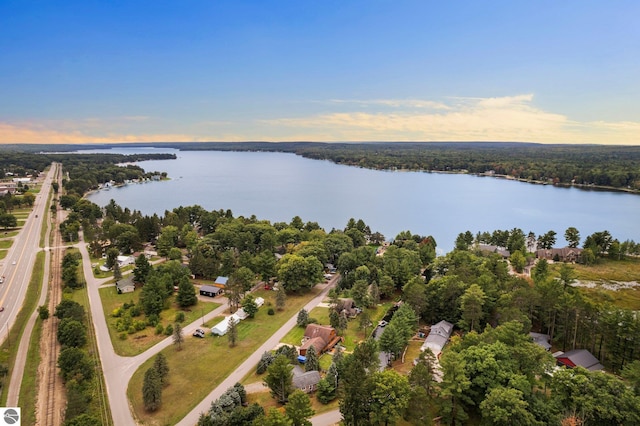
(210,291)
(259,301)
(125,285)
(221,282)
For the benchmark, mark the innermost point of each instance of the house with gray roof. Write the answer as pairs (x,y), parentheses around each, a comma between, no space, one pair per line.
(307,382)
(579,358)
(210,291)
(438,337)
(125,285)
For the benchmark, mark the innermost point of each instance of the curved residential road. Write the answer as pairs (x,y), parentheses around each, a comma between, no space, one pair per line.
(329,418)
(21,356)
(118,370)
(18,265)
(249,364)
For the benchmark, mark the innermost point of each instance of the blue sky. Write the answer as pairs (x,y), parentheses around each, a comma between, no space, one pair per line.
(543,71)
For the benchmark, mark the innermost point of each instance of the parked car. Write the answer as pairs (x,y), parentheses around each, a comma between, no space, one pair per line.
(199,333)
(382,323)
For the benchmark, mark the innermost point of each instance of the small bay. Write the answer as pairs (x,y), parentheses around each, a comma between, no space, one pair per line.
(279,186)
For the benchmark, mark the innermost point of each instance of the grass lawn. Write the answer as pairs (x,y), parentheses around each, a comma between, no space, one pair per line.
(3,254)
(266,401)
(5,244)
(203,363)
(352,335)
(140,341)
(607,270)
(625,299)
(9,234)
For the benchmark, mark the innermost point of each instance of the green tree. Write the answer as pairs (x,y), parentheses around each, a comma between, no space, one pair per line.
(152,296)
(161,367)
(390,396)
(167,240)
(249,305)
(281,299)
(567,275)
(414,293)
(518,261)
(364,322)
(68,308)
(471,304)
(298,409)
(326,391)
(152,390)
(274,417)
(112,257)
(8,220)
(75,364)
(232,332)
(312,362)
(392,340)
(506,406)
(245,277)
(234,292)
(186,294)
(279,378)
(546,241)
(117,273)
(72,333)
(142,269)
(303,318)
(454,387)
(572,235)
(178,335)
(297,272)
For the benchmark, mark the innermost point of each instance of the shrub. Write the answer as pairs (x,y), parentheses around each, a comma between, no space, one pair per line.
(169,330)
(271,312)
(153,320)
(179,317)
(159,328)
(122,336)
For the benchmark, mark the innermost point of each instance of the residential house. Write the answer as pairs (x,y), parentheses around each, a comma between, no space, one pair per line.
(307,382)
(321,337)
(348,307)
(210,291)
(222,327)
(125,260)
(438,337)
(125,285)
(579,358)
(221,282)
(564,254)
(488,248)
(542,340)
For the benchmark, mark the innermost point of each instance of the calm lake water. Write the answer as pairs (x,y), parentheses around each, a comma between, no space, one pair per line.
(277,187)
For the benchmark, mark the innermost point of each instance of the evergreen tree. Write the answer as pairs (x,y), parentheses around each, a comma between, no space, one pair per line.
(281,299)
(279,378)
(161,366)
(152,390)
(142,269)
(232,332)
(303,318)
(178,336)
(312,362)
(298,409)
(186,293)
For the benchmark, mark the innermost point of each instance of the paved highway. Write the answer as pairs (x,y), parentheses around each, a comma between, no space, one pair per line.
(17,266)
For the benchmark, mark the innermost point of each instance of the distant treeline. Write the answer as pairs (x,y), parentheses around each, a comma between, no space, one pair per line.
(92,168)
(588,165)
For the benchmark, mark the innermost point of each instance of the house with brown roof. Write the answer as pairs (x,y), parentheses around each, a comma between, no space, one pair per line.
(321,337)
(564,254)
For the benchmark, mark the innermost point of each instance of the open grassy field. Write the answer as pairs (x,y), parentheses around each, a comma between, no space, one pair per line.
(140,341)
(203,363)
(5,244)
(607,270)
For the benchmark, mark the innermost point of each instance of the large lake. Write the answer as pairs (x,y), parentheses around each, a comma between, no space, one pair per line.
(277,187)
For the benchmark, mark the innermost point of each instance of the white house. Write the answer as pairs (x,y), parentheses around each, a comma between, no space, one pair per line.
(222,327)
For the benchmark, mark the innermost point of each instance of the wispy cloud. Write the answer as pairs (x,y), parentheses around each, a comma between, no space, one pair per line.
(511,118)
(508,118)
